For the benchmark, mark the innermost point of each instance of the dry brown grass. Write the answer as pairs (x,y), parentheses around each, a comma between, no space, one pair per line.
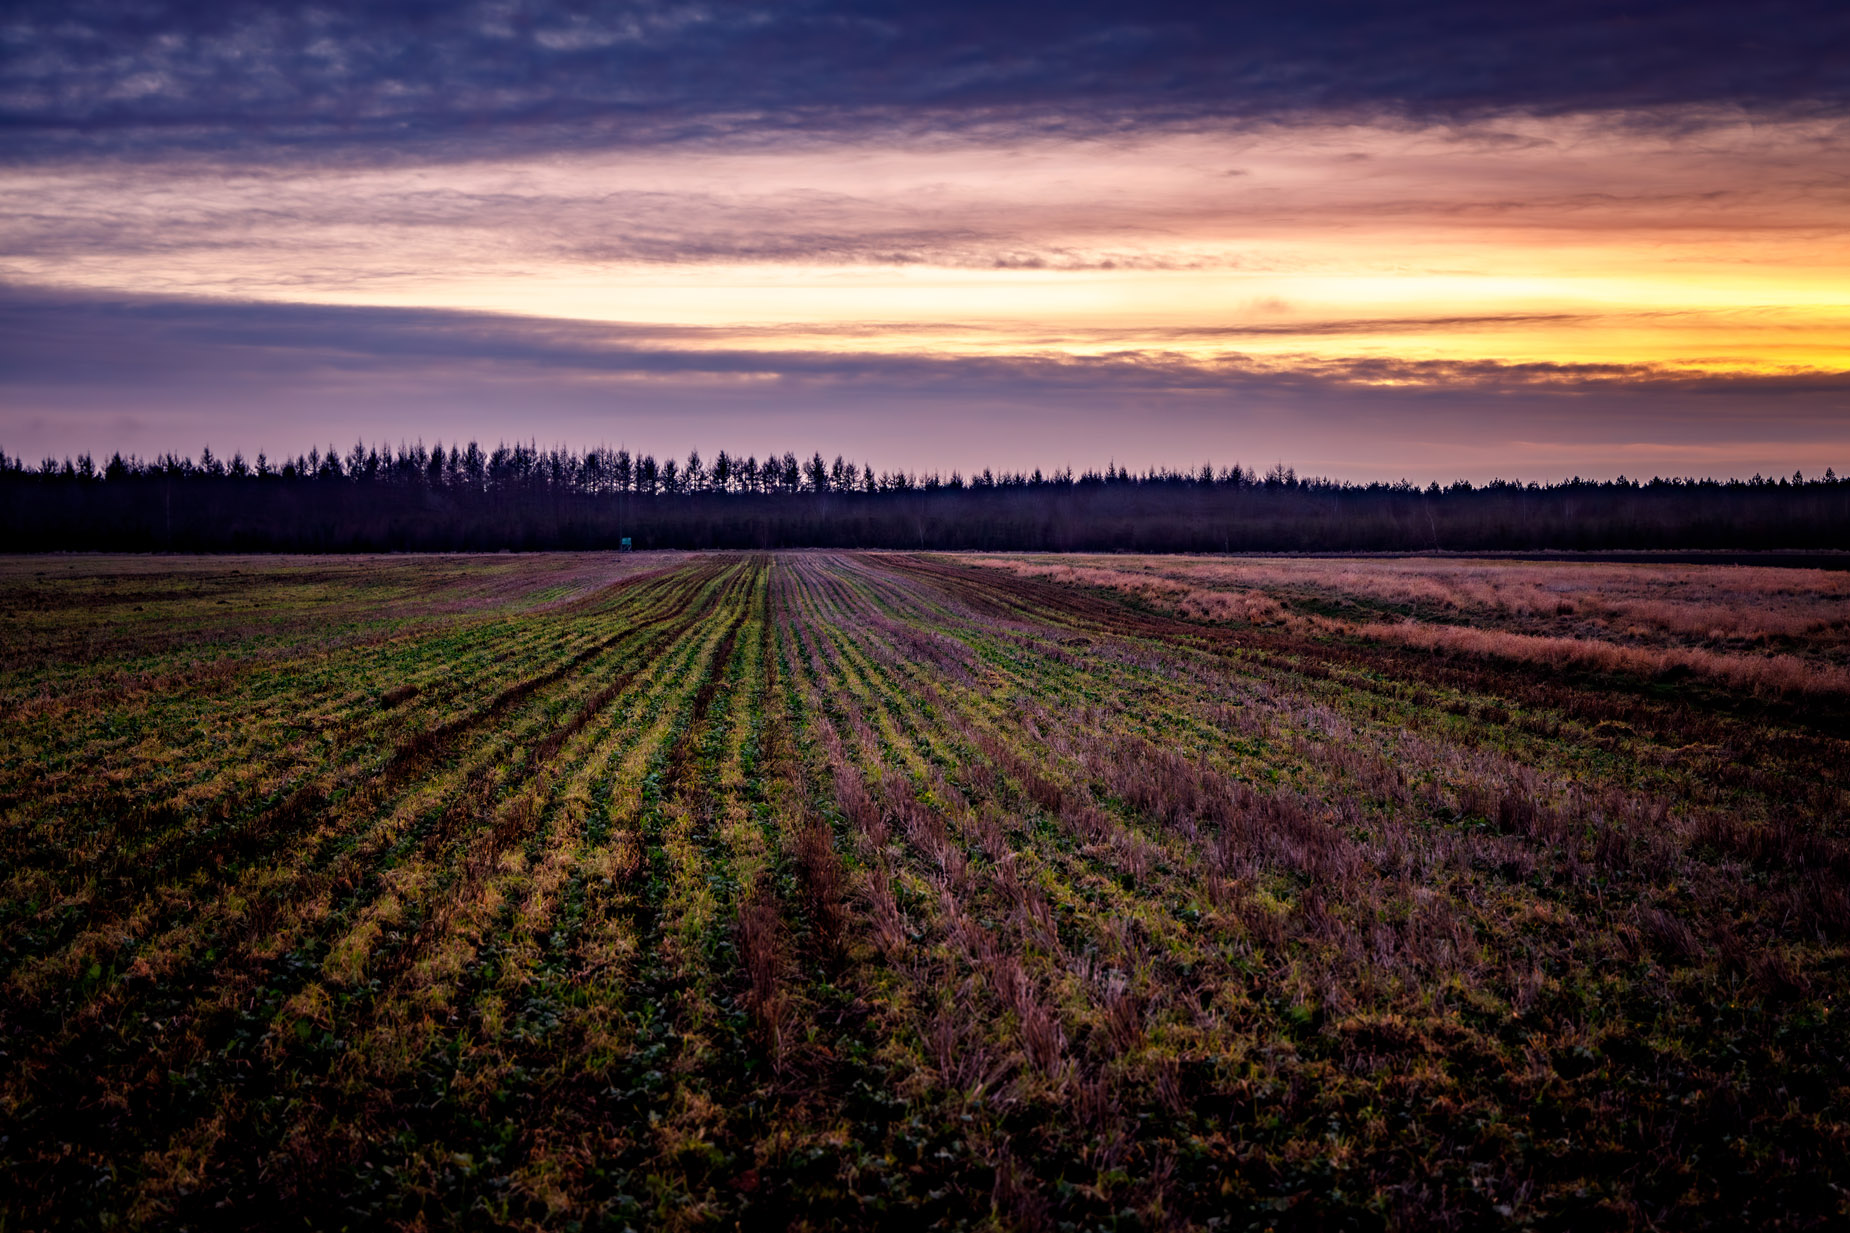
(1778,631)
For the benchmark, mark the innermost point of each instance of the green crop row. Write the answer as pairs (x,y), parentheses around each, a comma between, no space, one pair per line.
(837,890)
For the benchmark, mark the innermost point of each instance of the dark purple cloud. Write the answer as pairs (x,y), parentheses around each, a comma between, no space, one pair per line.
(398,78)
(102,373)
(51,336)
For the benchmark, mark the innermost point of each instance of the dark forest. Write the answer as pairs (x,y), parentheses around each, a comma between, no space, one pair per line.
(526,498)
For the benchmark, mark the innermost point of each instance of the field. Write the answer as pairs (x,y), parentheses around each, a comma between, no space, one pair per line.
(814,890)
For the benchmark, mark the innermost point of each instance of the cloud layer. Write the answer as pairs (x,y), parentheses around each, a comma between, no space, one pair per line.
(1534,241)
(267,376)
(135,76)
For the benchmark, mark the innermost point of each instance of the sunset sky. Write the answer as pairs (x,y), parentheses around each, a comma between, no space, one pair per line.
(1372,241)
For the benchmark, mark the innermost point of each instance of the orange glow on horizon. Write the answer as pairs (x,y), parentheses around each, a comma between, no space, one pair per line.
(1570,242)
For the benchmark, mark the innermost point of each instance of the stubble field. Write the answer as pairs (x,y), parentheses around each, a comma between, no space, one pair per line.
(815,890)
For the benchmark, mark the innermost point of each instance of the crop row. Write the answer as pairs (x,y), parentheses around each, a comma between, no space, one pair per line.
(827,889)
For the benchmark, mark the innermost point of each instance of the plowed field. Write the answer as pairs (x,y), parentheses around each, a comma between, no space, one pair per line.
(850,890)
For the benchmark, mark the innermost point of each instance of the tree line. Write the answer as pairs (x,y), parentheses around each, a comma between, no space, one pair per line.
(523,497)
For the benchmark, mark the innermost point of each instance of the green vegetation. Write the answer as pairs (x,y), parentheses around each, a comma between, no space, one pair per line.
(840,890)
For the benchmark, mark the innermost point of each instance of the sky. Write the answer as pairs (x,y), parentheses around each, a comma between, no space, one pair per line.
(1425,240)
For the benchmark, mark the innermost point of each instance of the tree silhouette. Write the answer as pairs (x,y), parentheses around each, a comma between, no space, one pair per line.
(520,496)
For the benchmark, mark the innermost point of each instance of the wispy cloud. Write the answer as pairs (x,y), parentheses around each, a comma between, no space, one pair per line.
(1523,241)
